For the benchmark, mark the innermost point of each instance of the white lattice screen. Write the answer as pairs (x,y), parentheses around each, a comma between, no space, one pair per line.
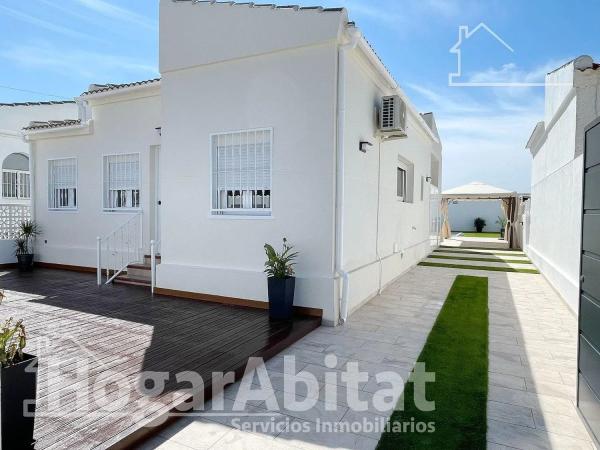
(11,217)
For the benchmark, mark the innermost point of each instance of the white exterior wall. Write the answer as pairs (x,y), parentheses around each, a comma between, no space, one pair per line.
(292,92)
(126,126)
(402,226)
(12,120)
(557,174)
(463,213)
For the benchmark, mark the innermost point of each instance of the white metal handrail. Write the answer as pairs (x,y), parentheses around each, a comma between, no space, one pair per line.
(154,250)
(120,248)
(11,217)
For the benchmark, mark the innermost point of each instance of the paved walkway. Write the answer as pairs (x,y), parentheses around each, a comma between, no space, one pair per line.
(532,370)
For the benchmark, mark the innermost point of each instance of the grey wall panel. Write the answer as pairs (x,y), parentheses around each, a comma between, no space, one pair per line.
(592,147)
(590,321)
(590,269)
(591,233)
(592,190)
(589,364)
(589,406)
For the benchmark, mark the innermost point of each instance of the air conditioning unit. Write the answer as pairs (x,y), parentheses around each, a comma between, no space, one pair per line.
(392,117)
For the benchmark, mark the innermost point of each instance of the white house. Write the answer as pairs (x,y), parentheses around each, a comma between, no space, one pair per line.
(14,157)
(267,122)
(556,145)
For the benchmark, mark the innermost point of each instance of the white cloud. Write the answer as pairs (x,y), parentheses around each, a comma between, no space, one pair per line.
(116,12)
(92,66)
(483,133)
(44,23)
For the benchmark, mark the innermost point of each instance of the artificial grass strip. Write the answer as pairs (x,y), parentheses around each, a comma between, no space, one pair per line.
(488,268)
(457,351)
(483,248)
(480,235)
(498,260)
(480,252)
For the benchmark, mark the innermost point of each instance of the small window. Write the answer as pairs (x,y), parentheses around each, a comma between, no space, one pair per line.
(401,184)
(62,183)
(121,175)
(15,177)
(241,172)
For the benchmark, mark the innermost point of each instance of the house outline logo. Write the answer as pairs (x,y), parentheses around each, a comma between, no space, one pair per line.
(463,35)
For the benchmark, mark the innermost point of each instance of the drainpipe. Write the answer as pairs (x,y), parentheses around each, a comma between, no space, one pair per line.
(378,213)
(355,36)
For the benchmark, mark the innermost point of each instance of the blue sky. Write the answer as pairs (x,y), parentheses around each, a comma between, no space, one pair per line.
(55,49)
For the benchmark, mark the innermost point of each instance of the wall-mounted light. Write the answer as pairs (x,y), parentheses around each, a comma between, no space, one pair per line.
(428,179)
(364,146)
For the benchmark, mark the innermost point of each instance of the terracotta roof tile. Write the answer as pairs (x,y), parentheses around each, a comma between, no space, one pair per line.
(96,88)
(37,125)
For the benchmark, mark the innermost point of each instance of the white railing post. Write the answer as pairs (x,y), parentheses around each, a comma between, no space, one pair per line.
(152,266)
(99,260)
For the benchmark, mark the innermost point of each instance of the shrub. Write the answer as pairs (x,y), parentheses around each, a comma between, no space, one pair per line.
(479,224)
(280,265)
(13,340)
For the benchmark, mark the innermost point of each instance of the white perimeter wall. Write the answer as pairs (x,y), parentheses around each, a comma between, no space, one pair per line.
(405,226)
(69,237)
(13,118)
(463,214)
(294,93)
(555,215)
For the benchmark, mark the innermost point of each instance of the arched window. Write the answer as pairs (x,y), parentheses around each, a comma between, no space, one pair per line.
(15,177)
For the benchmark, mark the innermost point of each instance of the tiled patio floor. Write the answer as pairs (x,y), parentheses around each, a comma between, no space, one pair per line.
(532,369)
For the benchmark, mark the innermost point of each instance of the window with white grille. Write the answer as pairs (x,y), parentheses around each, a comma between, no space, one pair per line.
(121,174)
(15,184)
(62,183)
(241,172)
(401,184)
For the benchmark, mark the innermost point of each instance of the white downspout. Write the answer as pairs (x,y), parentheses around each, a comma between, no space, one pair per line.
(378,213)
(355,36)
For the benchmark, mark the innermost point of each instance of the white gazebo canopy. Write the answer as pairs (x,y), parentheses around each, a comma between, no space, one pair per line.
(477,191)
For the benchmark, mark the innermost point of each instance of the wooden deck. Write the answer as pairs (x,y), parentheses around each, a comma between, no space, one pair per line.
(94,343)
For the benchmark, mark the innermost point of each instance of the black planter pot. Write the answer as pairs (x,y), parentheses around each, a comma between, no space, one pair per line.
(18,384)
(25,262)
(281,298)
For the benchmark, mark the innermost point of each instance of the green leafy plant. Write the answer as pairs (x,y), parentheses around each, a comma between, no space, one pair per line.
(479,223)
(501,221)
(28,231)
(13,340)
(280,265)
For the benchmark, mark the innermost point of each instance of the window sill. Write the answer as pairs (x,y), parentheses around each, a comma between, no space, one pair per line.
(239,217)
(63,209)
(121,210)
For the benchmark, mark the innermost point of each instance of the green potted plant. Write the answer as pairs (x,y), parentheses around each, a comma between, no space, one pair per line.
(279,268)
(502,222)
(28,231)
(479,224)
(18,386)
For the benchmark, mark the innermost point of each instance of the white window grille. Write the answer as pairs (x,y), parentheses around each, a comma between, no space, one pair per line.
(241,172)
(15,184)
(62,183)
(121,174)
(401,184)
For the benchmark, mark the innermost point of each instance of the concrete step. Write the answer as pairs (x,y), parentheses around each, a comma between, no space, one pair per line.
(139,271)
(147,259)
(131,281)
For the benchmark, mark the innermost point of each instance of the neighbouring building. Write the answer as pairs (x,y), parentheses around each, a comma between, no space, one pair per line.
(14,157)
(267,122)
(571,102)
